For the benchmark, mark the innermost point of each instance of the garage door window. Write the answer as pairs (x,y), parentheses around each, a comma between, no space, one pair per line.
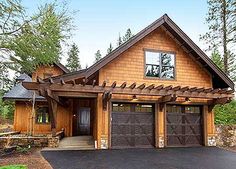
(192,109)
(173,109)
(118,107)
(143,108)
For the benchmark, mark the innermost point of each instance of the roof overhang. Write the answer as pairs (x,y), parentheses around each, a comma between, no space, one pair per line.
(220,79)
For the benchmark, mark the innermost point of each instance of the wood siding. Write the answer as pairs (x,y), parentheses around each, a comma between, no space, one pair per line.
(54,70)
(129,66)
(22,119)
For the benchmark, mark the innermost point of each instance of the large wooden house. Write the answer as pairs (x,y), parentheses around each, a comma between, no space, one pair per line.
(156,90)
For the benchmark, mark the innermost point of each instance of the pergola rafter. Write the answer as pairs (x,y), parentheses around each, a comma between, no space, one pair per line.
(151,90)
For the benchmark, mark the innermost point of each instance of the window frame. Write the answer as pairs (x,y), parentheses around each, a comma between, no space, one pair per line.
(160,66)
(36,117)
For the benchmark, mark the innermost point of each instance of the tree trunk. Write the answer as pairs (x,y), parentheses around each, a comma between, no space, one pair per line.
(224,13)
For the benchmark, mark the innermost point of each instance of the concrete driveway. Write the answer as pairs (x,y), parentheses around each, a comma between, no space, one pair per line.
(168,158)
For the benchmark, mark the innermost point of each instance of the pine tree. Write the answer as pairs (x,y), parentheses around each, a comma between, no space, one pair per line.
(217,59)
(221,20)
(119,41)
(109,50)
(128,35)
(98,56)
(73,62)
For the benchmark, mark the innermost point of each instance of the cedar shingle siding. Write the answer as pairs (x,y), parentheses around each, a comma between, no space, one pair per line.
(129,66)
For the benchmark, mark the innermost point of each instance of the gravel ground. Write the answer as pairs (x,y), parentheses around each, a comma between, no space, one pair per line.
(32,159)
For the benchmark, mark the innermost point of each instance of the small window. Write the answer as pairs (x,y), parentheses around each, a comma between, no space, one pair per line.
(42,115)
(160,65)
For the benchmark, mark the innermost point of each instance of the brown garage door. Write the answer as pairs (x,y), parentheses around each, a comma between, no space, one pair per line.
(184,125)
(132,125)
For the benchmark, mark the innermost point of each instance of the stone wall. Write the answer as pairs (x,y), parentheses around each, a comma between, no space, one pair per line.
(226,135)
(29,141)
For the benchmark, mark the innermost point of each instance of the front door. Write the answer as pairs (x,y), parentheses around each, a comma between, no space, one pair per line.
(84,121)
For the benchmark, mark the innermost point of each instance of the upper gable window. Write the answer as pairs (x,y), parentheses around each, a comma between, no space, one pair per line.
(160,65)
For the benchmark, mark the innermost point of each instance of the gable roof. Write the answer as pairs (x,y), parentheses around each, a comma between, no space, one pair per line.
(220,79)
(18,92)
(62,67)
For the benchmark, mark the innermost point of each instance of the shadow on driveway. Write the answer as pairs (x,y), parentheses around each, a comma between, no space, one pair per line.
(168,158)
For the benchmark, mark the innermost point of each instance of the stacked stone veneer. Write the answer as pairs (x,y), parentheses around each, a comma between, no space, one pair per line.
(26,141)
(226,135)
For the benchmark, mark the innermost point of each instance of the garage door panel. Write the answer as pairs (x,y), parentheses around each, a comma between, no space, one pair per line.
(174,140)
(121,129)
(118,118)
(120,140)
(134,128)
(144,141)
(184,125)
(174,129)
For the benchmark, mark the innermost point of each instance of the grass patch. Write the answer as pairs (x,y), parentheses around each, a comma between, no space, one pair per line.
(14,167)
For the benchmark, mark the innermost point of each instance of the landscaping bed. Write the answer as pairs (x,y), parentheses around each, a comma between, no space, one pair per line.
(31,158)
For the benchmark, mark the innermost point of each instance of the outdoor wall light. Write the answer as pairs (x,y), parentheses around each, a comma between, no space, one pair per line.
(134,98)
(187,99)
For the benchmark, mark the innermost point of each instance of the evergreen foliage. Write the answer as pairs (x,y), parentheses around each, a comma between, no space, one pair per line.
(221,20)
(225,114)
(109,50)
(73,62)
(98,56)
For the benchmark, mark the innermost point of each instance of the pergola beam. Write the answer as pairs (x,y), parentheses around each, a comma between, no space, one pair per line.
(168,98)
(131,90)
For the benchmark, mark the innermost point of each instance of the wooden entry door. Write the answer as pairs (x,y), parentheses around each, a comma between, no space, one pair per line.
(184,125)
(83,120)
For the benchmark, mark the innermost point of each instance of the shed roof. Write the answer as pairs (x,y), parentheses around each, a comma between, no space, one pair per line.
(18,92)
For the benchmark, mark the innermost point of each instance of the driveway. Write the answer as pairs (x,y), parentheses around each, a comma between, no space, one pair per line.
(168,158)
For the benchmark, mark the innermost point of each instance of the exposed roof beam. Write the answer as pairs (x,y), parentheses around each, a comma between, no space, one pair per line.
(123,85)
(113,84)
(150,87)
(142,86)
(168,87)
(62,82)
(132,86)
(94,82)
(104,84)
(159,87)
(39,80)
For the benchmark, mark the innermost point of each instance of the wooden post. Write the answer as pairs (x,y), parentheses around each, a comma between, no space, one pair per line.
(52,113)
(161,125)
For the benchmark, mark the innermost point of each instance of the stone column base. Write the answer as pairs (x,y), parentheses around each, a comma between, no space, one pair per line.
(104,143)
(211,141)
(161,142)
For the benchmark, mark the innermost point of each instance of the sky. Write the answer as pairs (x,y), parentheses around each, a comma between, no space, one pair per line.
(99,22)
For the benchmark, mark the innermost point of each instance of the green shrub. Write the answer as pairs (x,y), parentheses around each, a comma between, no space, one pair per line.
(14,167)
(225,114)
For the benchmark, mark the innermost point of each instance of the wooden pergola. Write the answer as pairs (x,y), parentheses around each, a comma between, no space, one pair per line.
(53,91)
